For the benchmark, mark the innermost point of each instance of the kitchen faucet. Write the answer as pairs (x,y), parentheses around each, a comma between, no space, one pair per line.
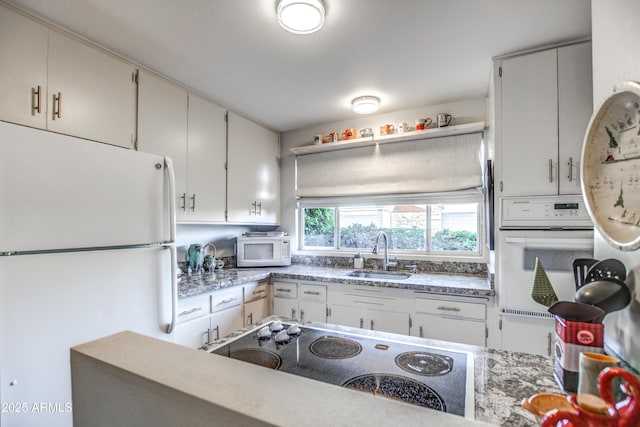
(385,260)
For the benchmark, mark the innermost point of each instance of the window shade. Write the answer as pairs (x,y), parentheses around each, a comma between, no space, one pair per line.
(420,166)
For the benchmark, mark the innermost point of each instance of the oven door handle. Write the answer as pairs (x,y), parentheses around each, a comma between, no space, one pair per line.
(560,243)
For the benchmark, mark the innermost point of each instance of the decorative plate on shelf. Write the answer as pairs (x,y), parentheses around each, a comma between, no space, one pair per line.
(610,167)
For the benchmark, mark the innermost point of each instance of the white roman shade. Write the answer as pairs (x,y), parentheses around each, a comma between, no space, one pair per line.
(433,165)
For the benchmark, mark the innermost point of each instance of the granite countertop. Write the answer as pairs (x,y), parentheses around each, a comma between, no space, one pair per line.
(451,284)
(502,378)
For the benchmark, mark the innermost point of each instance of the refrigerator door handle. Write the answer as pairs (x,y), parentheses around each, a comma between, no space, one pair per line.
(172,199)
(174,288)
(170,244)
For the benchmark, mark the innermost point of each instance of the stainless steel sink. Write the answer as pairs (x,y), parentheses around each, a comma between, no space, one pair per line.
(388,275)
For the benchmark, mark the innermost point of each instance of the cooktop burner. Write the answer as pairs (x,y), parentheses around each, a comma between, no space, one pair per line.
(424,363)
(400,388)
(261,357)
(392,368)
(335,347)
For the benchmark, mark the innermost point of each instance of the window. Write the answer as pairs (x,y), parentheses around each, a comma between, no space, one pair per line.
(432,227)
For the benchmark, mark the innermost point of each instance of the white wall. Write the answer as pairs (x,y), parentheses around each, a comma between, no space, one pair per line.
(467,111)
(615,35)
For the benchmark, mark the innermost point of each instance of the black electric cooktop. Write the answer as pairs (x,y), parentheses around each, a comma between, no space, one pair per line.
(430,377)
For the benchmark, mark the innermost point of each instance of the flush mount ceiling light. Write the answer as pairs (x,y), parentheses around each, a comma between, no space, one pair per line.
(365,104)
(301,16)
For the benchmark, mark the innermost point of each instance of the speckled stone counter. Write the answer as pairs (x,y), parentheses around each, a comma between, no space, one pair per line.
(502,378)
(452,284)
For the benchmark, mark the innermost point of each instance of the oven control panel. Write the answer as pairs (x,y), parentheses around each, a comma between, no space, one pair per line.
(544,212)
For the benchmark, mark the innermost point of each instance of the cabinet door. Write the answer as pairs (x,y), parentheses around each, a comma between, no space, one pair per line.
(527,334)
(226,321)
(530,124)
(253,172)
(348,316)
(207,152)
(285,307)
(23,69)
(388,321)
(255,311)
(313,311)
(95,93)
(575,106)
(462,331)
(193,333)
(162,127)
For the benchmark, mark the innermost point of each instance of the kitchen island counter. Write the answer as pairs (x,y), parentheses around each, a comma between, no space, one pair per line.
(440,283)
(165,382)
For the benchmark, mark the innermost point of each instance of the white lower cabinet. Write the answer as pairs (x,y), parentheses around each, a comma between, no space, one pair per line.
(527,334)
(256,302)
(456,319)
(304,301)
(207,317)
(375,320)
(367,307)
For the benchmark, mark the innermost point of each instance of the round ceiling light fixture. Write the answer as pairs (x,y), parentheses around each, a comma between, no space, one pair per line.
(301,16)
(365,104)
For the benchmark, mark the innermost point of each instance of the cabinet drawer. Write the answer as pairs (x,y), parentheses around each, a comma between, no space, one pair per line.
(255,291)
(442,307)
(226,298)
(313,292)
(285,290)
(193,307)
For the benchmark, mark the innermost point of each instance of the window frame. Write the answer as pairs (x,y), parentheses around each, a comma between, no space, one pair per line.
(460,197)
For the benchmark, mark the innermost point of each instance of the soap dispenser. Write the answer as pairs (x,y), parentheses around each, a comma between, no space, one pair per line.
(358,260)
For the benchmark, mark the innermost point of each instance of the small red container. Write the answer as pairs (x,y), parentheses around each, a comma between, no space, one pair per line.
(573,338)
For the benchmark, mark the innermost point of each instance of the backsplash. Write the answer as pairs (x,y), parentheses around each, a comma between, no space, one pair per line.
(471,268)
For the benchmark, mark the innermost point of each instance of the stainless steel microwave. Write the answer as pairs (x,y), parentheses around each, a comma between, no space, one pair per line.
(263,251)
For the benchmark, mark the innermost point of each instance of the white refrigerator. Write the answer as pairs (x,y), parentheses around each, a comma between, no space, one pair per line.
(87,235)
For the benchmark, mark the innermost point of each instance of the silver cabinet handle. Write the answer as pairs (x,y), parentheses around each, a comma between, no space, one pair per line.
(443,308)
(301,314)
(372,326)
(361,323)
(550,170)
(261,291)
(259,209)
(193,202)
(226,301)
(57,102)
(35,101)
(210,330)
(283,290)
(193,310)
(311,293)
(184,202)
(570,164)
(250,318)
(293,313)
(421,332)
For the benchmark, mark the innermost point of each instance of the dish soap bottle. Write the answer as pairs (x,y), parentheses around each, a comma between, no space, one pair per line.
(358,260)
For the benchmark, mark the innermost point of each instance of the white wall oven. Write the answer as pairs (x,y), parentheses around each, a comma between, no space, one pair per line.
(556,230)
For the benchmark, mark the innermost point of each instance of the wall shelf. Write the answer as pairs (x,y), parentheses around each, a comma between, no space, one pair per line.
(384,139)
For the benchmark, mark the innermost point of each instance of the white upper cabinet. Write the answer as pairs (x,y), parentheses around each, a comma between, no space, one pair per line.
(90,94)
(162,128)
(253,173)
(575,107)
(192,131)
(23,70)
(57,83)
(543,105)
(207,152)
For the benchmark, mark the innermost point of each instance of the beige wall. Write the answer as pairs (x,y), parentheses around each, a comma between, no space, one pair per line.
(467,111)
